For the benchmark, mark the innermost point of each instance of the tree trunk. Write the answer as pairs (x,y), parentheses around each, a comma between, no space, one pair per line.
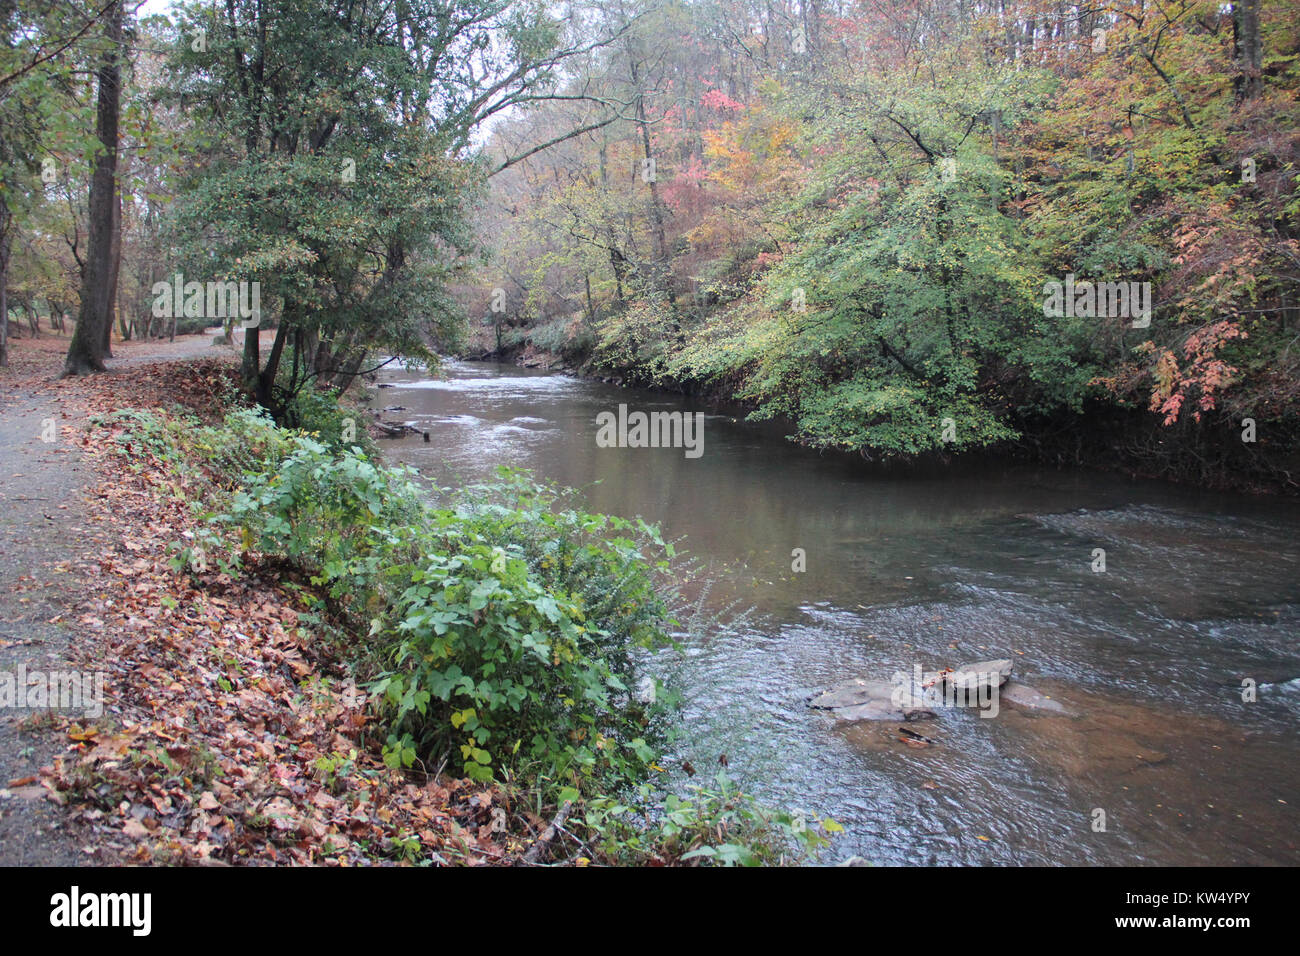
(126,326)
(265,391)
(344,378)
(115,264)
(1250,49)
(663,267)
(5,220)
(86,352)
(251,363)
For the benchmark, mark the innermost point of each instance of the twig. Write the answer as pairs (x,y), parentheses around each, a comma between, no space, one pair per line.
(549,834)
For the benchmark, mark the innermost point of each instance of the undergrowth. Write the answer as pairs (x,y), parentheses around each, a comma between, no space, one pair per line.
(504,634)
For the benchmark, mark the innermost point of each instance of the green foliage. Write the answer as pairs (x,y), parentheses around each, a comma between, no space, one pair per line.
(909,298)
(502,630)
(246,441)
(562,336)
(337,173)
(319,413)
(713,826)
(517,643)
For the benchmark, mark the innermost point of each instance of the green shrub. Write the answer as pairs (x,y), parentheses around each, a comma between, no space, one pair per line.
(190,325)
(246,443)
(563,336)
(502,631)
(319,413)
(712,826)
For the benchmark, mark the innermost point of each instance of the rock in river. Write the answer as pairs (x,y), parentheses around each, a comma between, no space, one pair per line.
(971,677)
(862,699)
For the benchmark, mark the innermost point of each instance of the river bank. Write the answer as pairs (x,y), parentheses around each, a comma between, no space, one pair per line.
(1131,442)
(231,727)
(151,771)
(202,752)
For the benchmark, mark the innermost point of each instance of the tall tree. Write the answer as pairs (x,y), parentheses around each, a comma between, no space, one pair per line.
(343,160)
(87,350)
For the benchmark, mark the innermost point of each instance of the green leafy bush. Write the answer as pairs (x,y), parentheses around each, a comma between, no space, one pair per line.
(718,825)
(501,630)
(565,336)
(318,413)
(247,442)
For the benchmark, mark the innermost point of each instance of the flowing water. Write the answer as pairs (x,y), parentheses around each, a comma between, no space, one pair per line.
(1200,592)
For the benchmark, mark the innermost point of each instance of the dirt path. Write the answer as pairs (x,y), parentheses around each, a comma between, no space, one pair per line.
(43,541)
(40,486)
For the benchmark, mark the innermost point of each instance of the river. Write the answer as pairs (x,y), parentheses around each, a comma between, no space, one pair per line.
(1200,592)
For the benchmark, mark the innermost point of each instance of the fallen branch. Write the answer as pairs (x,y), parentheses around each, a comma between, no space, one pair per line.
(549,834)
(398,429)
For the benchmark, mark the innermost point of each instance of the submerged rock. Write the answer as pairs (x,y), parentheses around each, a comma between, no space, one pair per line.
(851,693)
(861,699)
(1024,697)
